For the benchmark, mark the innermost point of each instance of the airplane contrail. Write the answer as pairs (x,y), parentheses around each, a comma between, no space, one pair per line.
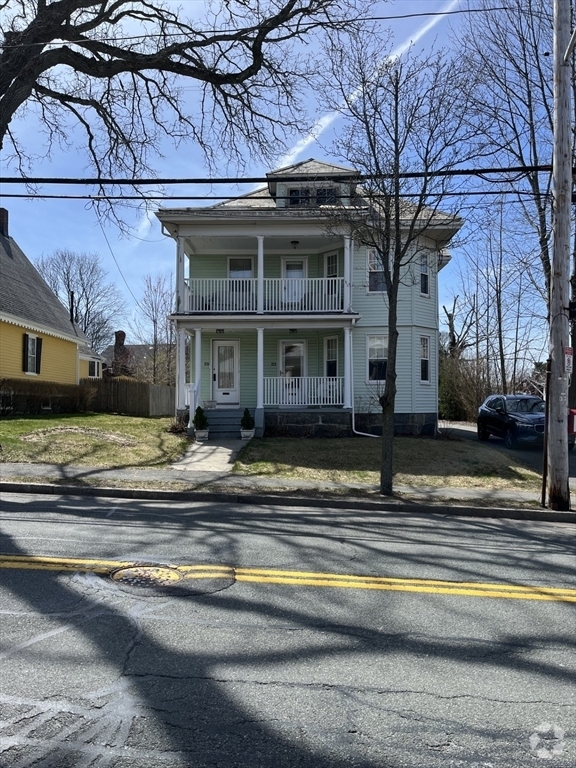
(327,120)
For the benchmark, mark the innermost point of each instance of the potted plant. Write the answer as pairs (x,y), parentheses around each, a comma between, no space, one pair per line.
(247,425)
(200,422)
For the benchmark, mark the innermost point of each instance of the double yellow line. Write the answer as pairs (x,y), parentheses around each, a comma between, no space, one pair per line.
(303,578)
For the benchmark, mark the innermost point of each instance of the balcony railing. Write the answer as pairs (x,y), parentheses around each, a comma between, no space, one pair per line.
(281,294)
(304,390)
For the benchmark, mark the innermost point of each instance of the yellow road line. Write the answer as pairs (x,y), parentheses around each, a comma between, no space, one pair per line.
(305,578)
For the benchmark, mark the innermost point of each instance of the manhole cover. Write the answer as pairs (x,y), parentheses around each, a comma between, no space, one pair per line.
(149,579)
(147,575)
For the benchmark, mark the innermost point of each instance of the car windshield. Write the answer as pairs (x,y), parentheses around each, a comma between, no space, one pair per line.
(526,405)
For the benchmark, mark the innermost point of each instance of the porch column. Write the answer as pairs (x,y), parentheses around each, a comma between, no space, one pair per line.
(180,369)
(260,368)
(259,413)
(260,292)
(347,367)
(347,274)
(198,364)
(180,289)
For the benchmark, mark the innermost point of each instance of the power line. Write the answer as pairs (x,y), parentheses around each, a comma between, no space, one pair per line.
(150,198)
(344,177)
(202,34)
(117,265)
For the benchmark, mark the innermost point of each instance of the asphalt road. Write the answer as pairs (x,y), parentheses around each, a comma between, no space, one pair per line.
(457,652)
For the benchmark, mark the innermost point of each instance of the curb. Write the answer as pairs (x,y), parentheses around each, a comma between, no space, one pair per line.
(404,507)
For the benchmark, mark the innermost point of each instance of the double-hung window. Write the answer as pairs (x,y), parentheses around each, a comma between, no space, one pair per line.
(425,359)
(32,353)
(326,196)
(424,275)
(376,278)
(240,268)
(331,356)
(377,357)
(94,369)
(299,196)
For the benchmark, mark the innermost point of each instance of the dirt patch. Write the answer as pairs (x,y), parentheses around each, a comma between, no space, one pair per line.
(40,435)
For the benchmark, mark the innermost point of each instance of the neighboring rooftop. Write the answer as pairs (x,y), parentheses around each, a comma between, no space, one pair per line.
(24,294)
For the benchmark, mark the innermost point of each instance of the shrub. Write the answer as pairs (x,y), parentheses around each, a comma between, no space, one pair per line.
(247,420)
(200,420)
(29,397)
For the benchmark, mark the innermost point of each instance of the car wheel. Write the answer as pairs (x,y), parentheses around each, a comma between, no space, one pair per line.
(483,433)
(510,439)
(571,445)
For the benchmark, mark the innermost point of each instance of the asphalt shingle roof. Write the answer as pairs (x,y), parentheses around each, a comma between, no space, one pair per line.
(26,295)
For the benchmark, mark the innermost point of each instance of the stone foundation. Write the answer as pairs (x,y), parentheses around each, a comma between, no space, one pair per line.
(338,423)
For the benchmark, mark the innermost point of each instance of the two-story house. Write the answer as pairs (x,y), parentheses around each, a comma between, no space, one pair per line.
(285,313)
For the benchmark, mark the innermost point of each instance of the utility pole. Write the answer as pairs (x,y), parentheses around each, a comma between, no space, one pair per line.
(558,470)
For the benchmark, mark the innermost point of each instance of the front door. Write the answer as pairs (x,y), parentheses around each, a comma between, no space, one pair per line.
(225,384)
(292,371)
(294,273)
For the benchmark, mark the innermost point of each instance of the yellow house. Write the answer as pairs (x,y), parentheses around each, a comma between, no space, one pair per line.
(38,339)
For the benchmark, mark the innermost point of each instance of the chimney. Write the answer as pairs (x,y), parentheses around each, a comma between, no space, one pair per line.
(4,222)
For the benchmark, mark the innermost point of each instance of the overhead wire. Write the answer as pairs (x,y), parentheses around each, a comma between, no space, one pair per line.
(127,38)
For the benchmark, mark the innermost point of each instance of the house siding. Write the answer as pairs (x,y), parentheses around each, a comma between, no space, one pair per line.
(248,350)
(204,266)
(59,357)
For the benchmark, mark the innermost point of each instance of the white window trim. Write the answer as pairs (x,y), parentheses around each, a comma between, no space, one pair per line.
(326,257)
(425,382)
(251,267)
(368,271)
(35,337)
(98,366)
(326,340)
(427,272)
(280,368)
(369,381)
(303,259)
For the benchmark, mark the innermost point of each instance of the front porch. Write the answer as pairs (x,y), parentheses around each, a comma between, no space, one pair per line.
(242,295)
(277,369)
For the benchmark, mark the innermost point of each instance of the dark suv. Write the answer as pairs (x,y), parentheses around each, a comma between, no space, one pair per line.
(518,419)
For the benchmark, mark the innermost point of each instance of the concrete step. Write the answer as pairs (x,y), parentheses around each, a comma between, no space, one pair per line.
(225,424)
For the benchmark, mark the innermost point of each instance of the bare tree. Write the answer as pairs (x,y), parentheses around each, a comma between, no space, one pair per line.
(80,282)
(509,47)
(151,327)
(131,74)
(400,115)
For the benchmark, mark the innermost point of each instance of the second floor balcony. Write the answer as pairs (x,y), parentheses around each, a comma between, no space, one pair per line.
(270,295)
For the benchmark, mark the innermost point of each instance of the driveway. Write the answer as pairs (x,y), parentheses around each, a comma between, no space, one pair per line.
(529,456)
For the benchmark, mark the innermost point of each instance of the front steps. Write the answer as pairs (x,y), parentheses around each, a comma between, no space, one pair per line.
(225,424)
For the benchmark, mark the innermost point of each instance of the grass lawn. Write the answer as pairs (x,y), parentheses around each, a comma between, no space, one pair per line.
(97,440)
(417,461)
(106,440)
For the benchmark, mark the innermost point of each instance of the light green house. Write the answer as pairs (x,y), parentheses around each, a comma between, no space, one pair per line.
(285,313)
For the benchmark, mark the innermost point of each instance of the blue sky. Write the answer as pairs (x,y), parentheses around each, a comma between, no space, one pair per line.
(41,226)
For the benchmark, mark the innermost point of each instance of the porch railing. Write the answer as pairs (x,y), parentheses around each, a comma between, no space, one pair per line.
(304,390)
(299,294)
(281,294)
(211,294)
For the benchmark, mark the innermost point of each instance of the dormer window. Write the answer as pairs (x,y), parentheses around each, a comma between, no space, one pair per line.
(326,196)
(300,196)
(306,196)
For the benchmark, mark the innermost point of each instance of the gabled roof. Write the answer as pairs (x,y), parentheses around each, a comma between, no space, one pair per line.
(315,170)
(312,167)
(27,298)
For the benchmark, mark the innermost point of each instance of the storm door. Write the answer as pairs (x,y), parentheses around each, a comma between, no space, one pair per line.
(225,384)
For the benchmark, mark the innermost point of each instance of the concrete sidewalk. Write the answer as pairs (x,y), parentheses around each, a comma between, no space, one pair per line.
(204,473)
